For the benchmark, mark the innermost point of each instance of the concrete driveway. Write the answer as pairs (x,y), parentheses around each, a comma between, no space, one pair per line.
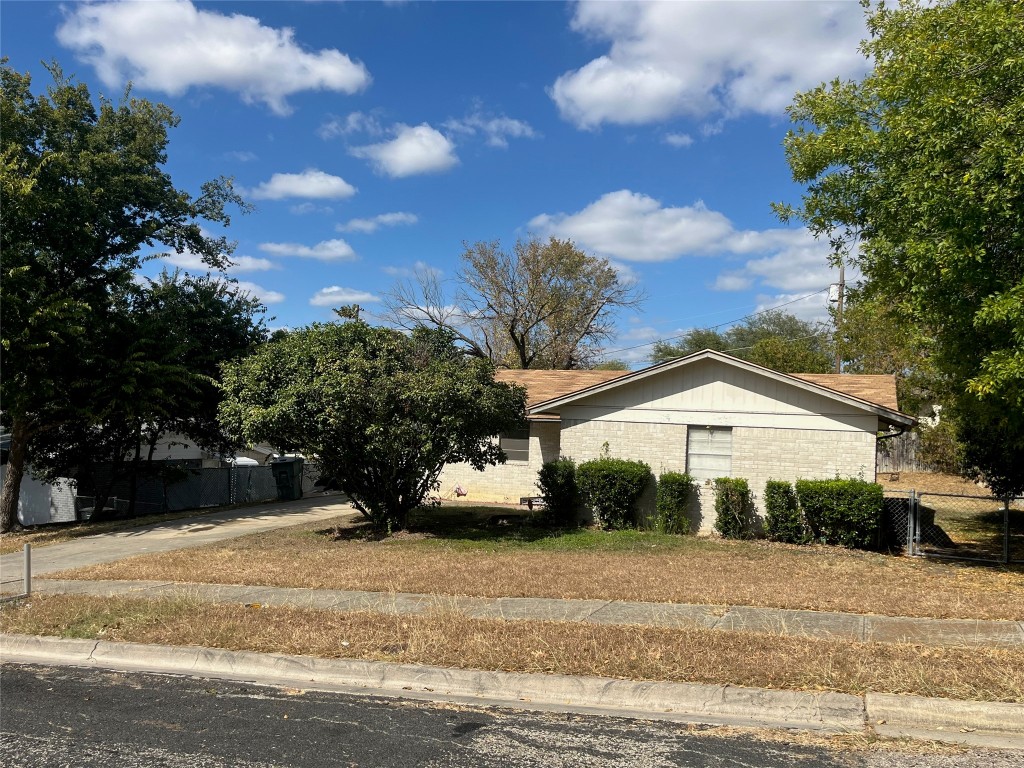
(175,534)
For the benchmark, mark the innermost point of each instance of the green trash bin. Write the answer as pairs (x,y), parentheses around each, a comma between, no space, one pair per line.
(288,476)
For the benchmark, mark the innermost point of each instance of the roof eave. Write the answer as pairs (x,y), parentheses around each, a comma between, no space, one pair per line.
(887,415)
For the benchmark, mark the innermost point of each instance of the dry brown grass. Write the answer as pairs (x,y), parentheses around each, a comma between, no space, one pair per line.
(452,640)
(930,482)
(640,567)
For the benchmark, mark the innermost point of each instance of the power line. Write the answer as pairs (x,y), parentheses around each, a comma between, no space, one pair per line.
(713,327)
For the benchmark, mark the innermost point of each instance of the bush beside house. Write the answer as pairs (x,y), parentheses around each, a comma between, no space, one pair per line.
(783,521)
(612,488)
(843,512)
(557,483)
(734,513)
(675,495)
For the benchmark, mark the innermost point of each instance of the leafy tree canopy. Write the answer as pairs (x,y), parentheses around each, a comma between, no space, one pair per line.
(542,305)
(774,339)
(920,165)
(379,411)
(84,193)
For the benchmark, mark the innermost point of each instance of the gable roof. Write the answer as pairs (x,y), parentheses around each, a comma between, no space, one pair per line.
(544,385)
(879,389)
(854,391)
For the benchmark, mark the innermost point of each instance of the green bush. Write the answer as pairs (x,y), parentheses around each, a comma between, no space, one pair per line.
(675,494)
(612,487)
(783,521)
(734,514)
(557,483)
(844,512)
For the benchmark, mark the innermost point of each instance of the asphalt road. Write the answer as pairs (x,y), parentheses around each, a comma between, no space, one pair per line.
(58,717)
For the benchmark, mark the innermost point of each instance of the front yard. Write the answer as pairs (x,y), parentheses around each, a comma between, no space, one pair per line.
(457,553)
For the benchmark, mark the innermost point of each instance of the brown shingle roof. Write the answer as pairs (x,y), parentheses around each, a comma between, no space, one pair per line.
(879,389)
(544,385)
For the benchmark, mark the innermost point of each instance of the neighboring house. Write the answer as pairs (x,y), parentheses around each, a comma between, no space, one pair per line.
(708,414)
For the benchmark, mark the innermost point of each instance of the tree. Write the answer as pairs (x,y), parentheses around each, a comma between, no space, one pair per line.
(381,412)
(164,343)
(544,305)
(84,191)
(922,162)
(875,338)
(774,339)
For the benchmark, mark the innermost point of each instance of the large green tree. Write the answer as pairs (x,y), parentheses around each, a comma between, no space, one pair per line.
(379,411)
(540,305)
(916,172)
(85,196)
(165,339)
(774,339)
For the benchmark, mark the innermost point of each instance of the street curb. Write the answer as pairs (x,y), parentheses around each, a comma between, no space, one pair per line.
(715,704)
(993,723)
(988,724)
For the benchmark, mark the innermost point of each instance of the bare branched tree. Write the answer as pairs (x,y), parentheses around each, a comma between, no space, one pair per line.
(544,305)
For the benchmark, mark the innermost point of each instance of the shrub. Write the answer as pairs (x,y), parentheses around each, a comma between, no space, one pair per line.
(940,449)
(733,511)
(844,512)
(783,521)
(675,493)
(612,487)
(557,483)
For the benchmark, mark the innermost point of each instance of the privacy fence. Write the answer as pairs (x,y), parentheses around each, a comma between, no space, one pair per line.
(186,489)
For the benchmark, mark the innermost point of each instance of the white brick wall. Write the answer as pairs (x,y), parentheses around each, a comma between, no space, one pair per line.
(509,481)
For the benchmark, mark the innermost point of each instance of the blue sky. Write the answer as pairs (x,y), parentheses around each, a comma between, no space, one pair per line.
(373,138)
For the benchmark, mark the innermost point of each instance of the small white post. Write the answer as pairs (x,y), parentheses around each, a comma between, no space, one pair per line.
(28,570)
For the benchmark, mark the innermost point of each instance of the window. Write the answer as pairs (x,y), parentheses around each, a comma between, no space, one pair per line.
(516,444)
(708,452)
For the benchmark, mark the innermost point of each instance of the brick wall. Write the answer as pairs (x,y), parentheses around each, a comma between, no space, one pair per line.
(509,481)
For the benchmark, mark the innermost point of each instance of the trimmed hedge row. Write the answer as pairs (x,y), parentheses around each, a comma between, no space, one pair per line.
(847,513)
(734,512)
(675,494)
(557,483)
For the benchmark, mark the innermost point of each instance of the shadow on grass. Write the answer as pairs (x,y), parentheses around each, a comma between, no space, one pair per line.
(503,528)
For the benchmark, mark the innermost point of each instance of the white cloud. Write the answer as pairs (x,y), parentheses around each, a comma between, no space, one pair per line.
(303,209)
(418,268)
(194,263)
(678,139)
(704,59)
(371,225)
(414,150)
(327,250)
(336,296)
(311,183)
(812,308)
(497,129)
(634,227)
(732,281)
(171,46)
(355,122)
(629,226)
(265,295)
(241,156)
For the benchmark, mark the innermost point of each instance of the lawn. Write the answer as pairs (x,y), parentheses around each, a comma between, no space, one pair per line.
(453,640)
(464,552)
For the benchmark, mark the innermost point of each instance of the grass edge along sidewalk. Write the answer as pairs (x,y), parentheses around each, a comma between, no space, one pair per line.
(1000,725)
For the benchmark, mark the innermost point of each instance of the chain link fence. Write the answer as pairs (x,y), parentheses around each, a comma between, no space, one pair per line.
(956,526)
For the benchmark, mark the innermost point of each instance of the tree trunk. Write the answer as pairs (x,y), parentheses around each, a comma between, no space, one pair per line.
(12,478)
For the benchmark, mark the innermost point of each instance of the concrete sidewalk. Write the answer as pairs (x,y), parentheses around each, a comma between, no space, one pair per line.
(775,621)
(184,533)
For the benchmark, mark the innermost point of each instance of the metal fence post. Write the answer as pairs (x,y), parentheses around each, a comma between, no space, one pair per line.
(912,523)
(28,570)
(1006,530)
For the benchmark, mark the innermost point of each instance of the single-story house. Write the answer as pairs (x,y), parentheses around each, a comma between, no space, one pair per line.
(708,414)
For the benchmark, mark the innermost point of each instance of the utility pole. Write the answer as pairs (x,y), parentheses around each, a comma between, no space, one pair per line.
(839,313)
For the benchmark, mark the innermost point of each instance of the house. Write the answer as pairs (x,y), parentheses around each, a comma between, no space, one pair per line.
(708,414)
